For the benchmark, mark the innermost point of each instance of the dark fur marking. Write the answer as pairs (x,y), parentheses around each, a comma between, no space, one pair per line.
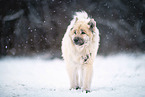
(71,28)
(85,60)
(87,57)
(91,25)
(90,54)
(93,32)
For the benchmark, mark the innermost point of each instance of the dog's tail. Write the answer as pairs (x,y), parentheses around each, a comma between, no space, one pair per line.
(81,15)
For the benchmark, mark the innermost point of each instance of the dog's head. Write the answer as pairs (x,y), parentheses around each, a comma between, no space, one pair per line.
(82,31)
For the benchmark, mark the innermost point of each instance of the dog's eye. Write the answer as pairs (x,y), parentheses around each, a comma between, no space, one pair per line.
(74,32)
(83,33)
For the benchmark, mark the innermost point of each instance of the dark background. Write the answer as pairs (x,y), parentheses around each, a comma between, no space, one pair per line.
(31,27)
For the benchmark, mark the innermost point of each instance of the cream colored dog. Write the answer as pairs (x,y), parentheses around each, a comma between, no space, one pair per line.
(79,48)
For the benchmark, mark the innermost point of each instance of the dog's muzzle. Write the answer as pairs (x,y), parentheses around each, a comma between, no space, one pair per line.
(78,41)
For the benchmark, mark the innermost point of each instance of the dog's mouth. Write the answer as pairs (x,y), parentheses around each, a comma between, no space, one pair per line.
(78,41)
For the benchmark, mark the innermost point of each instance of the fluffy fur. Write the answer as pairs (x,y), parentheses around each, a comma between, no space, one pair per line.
(79,48)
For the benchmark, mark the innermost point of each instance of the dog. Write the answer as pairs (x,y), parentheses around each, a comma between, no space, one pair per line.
(79,48)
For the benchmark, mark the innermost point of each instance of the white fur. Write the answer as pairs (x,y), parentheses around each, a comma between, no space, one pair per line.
(74,56)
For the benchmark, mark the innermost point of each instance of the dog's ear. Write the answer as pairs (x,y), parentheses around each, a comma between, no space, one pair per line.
(92,25)
(76,19)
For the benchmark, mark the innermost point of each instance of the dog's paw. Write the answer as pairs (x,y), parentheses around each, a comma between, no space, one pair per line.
(78,88)
(88,91)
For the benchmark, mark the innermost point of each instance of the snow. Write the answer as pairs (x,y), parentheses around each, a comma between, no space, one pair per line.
(121,75)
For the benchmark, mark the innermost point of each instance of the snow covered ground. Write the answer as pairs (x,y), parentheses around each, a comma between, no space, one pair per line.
(121,75)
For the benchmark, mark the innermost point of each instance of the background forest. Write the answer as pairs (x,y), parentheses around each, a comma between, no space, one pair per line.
(30,27)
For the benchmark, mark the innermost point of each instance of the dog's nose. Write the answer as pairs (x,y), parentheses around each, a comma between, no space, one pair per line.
(78,41)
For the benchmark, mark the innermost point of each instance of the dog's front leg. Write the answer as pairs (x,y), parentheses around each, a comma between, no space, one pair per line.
(73,76)
(87,76)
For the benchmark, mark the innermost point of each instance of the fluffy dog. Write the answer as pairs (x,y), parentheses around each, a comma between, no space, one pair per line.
(79,48)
